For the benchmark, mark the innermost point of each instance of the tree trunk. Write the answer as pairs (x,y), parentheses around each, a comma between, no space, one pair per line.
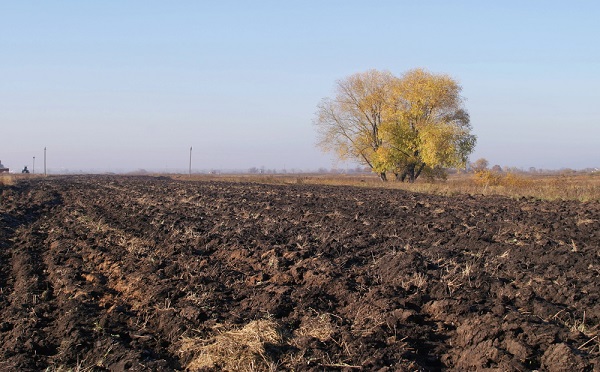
(418,173)
(403,175)
(410,172)
(383,176)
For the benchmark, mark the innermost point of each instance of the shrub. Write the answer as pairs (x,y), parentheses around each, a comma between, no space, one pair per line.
(487,178)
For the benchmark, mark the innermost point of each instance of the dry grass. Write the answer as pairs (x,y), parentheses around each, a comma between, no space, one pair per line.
(258,346)
(565,186)
(320,326)
(235,350)
(7,179)
(579,324)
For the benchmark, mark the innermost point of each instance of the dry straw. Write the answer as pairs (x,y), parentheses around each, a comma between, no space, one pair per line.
(235,350)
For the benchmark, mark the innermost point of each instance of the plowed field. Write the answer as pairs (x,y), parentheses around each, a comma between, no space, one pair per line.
(142,273)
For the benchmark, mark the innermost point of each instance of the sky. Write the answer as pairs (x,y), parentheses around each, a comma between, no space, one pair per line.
(127,85)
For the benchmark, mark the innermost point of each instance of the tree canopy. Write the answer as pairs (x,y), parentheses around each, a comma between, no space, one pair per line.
(401,125)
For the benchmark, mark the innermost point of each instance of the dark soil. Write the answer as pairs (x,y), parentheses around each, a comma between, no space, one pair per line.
(117,273)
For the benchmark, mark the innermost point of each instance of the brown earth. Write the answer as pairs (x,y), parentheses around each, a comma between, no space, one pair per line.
(141,273)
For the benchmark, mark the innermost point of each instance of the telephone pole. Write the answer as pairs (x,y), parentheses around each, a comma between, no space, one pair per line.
(190,161)
(33,170)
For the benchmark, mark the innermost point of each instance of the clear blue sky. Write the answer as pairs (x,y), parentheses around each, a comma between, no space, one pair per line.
(133,84)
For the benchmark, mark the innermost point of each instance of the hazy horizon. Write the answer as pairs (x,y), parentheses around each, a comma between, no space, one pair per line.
(133,85)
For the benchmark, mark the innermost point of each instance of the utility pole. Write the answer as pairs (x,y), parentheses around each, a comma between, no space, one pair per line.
(45,174)
(190,161)
(33,170)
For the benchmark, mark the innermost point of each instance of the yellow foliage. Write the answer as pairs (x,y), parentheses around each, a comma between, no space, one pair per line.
(438,145)
(426,97)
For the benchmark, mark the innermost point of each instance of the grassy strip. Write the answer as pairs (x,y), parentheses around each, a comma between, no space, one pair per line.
(581,187)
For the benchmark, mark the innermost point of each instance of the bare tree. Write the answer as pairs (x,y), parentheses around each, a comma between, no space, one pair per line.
(349,124)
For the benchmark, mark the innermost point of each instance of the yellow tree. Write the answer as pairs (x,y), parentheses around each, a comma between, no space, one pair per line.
(400,125)
(350,123)
(431,129)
